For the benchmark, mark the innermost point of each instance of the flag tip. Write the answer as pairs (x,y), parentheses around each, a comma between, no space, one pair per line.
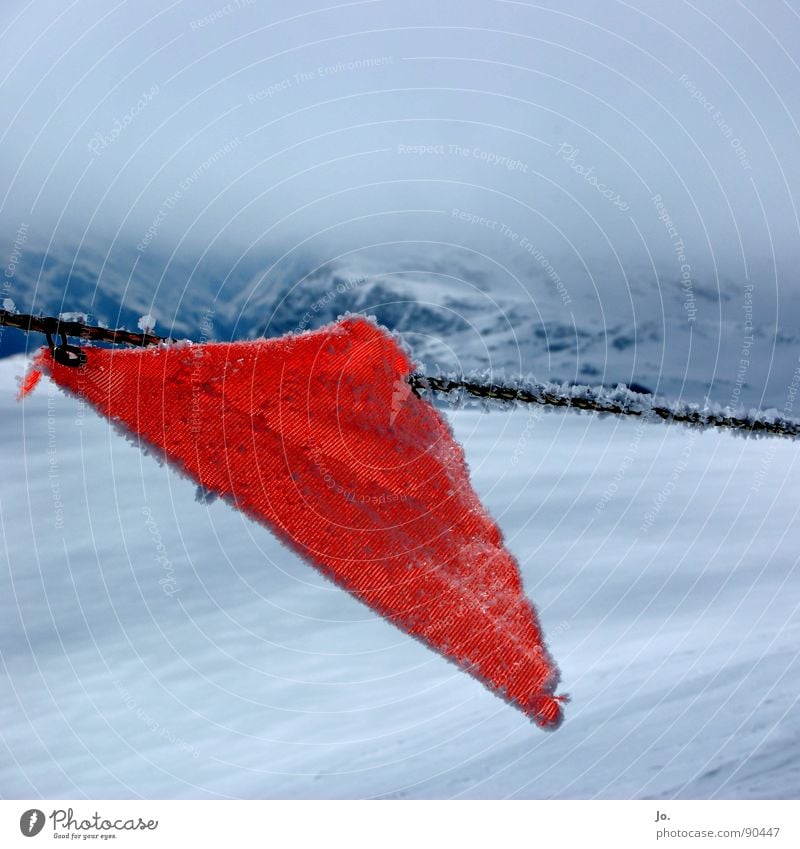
(548,712)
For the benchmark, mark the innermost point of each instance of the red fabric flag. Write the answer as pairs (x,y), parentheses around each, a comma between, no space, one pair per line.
(319,436)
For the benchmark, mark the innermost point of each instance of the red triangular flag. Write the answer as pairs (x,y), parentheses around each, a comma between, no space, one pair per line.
(318,436)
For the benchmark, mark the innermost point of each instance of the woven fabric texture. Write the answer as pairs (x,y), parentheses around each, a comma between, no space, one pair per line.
(319,436)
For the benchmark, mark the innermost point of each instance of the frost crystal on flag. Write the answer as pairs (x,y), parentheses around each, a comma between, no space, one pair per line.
(315,436)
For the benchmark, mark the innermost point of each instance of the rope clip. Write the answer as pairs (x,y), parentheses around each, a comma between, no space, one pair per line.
(64,353)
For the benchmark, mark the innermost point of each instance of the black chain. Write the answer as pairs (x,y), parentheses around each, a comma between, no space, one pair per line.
(77,329)
(644,406)
(599,403)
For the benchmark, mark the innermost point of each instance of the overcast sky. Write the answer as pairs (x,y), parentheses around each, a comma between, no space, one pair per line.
(331,127)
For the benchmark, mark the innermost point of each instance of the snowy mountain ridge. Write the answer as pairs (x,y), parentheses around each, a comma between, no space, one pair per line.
(458,310)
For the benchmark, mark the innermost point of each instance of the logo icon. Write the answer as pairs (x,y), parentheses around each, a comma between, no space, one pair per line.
(31,822)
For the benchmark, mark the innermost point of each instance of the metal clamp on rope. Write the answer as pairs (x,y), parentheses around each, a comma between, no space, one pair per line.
(64,353)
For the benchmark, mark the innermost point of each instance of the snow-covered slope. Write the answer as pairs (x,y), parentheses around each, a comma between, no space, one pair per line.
(155,646)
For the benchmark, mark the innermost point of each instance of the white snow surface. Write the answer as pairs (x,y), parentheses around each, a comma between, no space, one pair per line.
(156,647)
